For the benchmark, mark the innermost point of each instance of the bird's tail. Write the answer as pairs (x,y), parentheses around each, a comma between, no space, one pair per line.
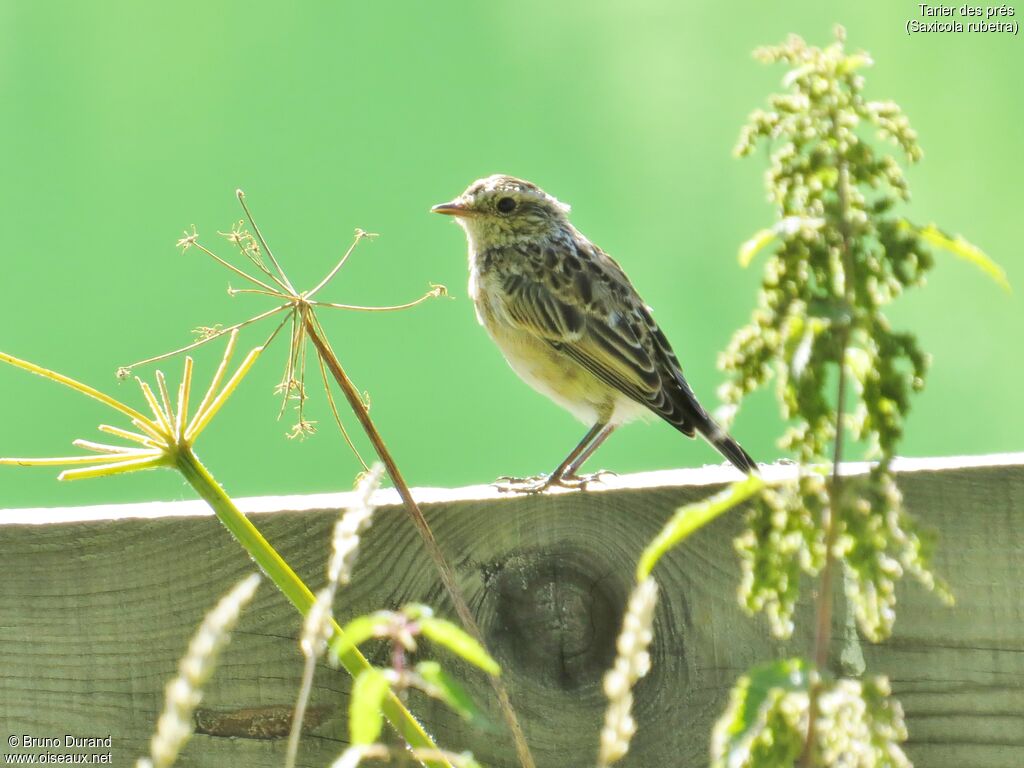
(688,416)
(727,446)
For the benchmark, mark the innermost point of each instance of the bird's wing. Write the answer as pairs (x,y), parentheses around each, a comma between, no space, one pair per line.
(588,310)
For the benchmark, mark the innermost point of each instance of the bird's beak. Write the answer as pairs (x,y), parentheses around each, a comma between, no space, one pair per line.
(453,208)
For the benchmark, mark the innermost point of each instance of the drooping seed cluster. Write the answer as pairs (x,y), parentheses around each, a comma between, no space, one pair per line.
(840,253)
(820,318)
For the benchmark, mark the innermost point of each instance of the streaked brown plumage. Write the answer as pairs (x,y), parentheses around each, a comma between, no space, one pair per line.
(570,323)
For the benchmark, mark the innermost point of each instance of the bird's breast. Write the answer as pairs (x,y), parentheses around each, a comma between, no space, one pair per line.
(486,287)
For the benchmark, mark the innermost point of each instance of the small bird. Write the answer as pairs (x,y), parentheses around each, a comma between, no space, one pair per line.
(570,323)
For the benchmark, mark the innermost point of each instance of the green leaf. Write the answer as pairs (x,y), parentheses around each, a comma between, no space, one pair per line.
(854,62)
(754,245)
(441,686)
(692,517)
(458,642)
(958,246)
(364,710)
(745,716)
(795,74)
(859,362)
(414,611)
(786,227)
(359,630)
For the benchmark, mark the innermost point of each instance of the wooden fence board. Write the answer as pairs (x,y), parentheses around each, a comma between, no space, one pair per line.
(97,604)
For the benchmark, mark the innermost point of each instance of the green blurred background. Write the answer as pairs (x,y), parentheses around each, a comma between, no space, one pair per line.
(126,122)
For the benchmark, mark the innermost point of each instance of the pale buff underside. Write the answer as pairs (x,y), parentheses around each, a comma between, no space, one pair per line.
(549,371)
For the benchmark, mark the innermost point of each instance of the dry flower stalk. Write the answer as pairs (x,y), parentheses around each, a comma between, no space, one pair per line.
(299,309)
(183,693)
(317,627)
(632,663)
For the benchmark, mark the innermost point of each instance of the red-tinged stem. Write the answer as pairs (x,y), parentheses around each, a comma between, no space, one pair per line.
(832,523)
(413,509)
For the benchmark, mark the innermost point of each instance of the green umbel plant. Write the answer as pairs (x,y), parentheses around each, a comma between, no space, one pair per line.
(166,439)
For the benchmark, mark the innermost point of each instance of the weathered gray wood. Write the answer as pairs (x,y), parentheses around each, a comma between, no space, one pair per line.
(97,604)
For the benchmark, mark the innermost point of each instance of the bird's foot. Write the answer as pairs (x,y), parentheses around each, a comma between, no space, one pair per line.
(541,483)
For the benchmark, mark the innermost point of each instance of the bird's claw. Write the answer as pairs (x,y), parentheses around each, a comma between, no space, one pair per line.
(541,483)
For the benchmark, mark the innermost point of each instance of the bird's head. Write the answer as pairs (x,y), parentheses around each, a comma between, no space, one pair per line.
(503,209)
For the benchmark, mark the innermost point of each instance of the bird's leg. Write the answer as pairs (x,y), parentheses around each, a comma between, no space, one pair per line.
(565,474)
(579,461)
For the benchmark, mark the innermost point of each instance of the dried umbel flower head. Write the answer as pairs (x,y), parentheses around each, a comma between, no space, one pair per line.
(296,310)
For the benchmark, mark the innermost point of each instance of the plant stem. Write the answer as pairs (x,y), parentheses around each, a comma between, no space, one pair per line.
(296,591)
(413,509)
(823,634)
(823,607)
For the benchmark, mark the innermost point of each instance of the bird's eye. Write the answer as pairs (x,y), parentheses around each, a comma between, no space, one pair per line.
(506,205)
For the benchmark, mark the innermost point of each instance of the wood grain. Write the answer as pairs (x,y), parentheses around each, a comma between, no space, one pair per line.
(97,604)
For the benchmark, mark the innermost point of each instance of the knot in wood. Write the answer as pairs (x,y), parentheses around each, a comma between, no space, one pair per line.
(553,616)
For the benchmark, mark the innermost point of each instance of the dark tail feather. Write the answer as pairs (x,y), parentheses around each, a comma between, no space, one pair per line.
(732,450)
(688,417)
(725,445)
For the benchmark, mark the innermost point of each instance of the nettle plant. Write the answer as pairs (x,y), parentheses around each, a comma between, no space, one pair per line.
(839,253)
